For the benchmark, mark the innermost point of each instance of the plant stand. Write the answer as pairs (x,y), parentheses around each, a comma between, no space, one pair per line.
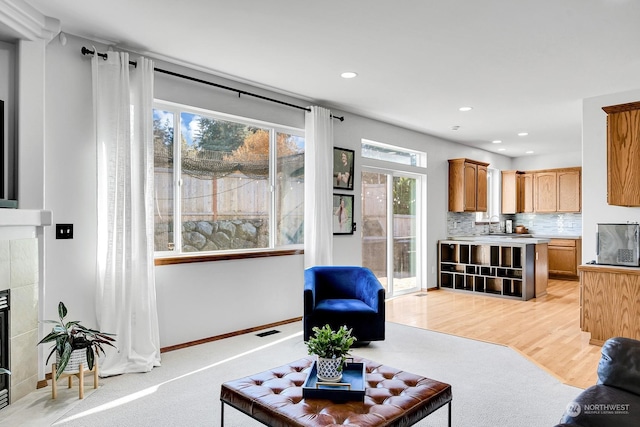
(79,374)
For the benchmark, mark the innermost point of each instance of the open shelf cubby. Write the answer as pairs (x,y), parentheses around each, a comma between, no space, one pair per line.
(496,269)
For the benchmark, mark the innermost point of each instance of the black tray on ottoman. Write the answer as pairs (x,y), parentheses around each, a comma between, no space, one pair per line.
(350,388)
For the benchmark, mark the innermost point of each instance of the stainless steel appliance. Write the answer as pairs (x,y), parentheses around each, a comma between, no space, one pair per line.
(618,244)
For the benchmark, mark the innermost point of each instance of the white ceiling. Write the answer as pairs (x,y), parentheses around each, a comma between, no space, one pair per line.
(522,65)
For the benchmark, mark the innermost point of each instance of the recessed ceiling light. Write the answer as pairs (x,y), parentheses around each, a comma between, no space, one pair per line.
(348,75)
(502,149)
(465,108)
(497,141)
(523,134)
(528,152)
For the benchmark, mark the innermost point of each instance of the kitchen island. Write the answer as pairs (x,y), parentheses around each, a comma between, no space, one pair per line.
(506,266)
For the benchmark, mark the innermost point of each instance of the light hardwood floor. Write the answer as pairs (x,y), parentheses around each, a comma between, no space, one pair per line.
(546,330)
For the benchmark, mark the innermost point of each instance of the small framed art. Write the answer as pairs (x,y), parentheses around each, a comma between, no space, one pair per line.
(342,214)
(343,168)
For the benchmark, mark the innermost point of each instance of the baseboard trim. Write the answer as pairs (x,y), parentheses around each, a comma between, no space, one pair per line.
(44,383)
(228,335)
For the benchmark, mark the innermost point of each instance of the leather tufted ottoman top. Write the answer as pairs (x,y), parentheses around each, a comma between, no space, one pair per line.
(392,398)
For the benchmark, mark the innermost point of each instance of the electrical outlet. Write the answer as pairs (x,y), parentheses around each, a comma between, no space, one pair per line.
(64,231)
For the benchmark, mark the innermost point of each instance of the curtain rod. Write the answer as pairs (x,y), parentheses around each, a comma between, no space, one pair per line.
(86,51)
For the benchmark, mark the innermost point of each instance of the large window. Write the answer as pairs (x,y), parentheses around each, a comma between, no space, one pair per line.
(225,184)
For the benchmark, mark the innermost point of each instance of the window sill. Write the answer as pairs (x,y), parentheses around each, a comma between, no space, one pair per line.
(186,259)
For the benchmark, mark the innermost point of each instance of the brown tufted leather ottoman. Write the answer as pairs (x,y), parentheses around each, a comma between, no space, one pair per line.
(392,398)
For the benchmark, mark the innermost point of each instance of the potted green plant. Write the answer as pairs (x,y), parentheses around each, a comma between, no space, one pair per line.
(72,340)
(332,348)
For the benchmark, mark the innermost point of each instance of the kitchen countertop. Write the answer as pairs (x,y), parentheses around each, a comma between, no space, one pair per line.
(503,238)
(562,236)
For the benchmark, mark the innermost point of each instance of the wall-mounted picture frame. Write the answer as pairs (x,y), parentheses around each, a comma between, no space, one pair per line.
(342,214)
(343,168)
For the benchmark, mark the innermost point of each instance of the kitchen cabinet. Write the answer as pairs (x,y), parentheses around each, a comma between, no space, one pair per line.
(467,185)
(512,200)
(623,154)
(557,190)
(609,302)
(565,255)
(546,192)
(527,192)
(542,269)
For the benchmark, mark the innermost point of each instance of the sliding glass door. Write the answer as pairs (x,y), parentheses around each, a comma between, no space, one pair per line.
(391,237)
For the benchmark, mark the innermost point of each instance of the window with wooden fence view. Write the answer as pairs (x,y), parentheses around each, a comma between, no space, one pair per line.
(225,184)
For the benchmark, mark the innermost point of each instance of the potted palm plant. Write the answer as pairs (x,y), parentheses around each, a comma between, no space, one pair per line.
(74,343)
(332,348)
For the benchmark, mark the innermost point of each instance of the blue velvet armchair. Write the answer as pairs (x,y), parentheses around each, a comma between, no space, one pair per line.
(344,295)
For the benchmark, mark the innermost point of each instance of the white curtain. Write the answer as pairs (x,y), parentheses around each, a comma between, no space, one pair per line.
(125,295)
(318,199)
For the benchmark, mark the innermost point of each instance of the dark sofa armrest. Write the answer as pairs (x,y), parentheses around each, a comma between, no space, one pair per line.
(620,364)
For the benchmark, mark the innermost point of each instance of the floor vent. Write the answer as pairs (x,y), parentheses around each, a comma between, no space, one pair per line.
(420,295)
(267,333)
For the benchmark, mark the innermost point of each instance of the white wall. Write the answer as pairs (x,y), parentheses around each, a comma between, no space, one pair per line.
(199,300)
(594,170)
(550,161)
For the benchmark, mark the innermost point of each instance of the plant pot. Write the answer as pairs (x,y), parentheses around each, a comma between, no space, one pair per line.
(329,369)
(77,357)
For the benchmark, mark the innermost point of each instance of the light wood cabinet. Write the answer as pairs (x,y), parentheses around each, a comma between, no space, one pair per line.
(546,192)
(511,192)
(527,192)
(557,190)
(569,192)
(564,257)
(467,185)
(609,302)
(542,269)
(623,154)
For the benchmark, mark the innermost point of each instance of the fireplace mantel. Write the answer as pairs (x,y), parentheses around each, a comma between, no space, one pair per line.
(20,217)
(22,223)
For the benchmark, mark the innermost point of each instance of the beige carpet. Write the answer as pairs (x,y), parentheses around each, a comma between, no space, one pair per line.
(492,385)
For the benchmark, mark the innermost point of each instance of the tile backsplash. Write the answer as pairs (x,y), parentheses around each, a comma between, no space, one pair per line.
(560,224)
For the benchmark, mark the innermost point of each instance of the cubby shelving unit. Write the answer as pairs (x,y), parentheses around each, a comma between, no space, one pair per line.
(497,269)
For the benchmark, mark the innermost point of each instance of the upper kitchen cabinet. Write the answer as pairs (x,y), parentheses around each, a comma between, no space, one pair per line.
(544,191)
(467,185)
(623,154)
(527,192)
(557,190)
(512,194)
(569,194)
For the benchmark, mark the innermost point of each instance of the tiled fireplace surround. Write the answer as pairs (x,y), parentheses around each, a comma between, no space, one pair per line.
(20,232)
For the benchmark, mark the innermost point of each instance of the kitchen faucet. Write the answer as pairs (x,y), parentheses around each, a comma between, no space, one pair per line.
(498,221)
